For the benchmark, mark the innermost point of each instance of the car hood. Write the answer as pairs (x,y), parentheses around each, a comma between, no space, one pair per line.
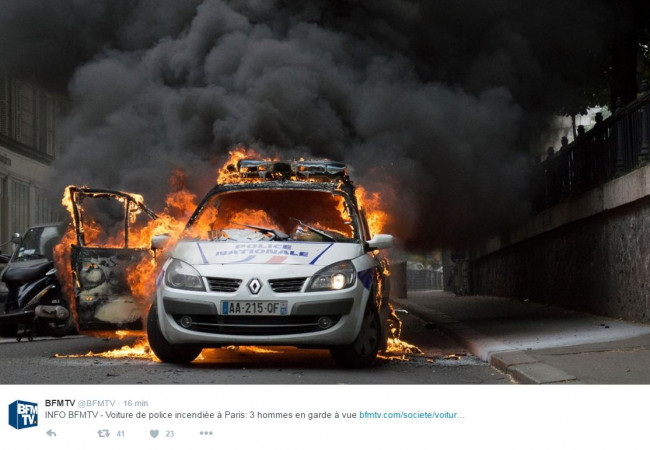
(265,252)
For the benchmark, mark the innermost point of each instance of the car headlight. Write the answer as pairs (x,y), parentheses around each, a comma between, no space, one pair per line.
(180,275)
(332,278)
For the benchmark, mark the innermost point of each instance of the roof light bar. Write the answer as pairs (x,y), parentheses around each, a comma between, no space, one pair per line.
(322,170)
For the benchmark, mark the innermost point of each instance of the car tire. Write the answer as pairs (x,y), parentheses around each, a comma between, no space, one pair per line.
(166,352)
(363,351)
(55,328)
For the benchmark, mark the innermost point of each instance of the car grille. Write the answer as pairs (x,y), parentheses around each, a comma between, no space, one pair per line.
(223,284)
(255,325)
(287,284)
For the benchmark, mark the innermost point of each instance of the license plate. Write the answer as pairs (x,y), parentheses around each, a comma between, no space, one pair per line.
(243,308)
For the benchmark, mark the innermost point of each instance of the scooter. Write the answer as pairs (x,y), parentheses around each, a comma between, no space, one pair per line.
(34,302)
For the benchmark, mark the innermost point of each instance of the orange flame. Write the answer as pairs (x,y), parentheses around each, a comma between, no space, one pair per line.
(140,349)
(63,268)
(228,173)
(179,206)
(373,205)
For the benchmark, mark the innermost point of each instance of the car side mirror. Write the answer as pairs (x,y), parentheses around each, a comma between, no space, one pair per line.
(160,241)
(380,242)
(16,238)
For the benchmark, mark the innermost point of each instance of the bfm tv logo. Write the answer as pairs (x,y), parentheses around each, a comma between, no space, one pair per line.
(23,414)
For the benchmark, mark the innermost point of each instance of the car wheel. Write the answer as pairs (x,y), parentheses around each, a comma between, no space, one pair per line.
(166,352)
(57,328)
(363,351)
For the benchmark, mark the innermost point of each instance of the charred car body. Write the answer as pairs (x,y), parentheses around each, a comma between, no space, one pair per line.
(102,255)
(279,254)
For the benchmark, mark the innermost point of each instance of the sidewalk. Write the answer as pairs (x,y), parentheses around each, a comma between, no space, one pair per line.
(536,343)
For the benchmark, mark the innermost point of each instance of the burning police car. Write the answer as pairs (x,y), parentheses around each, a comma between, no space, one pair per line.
(278,253)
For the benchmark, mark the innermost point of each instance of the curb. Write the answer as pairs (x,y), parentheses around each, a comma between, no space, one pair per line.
(520,365)
(527,370)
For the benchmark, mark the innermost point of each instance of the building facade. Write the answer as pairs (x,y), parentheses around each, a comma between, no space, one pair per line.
(29,142)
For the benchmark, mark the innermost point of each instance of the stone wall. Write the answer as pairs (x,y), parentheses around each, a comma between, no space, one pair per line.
(597,262)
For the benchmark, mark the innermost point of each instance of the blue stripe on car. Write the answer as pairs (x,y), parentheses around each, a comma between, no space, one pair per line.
(205,260)
(365,276)
(321,254)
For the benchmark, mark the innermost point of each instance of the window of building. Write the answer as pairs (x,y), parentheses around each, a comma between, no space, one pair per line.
(19,206)
(5,107)
(4,232)
(29,115)
(25,114)
(44,211)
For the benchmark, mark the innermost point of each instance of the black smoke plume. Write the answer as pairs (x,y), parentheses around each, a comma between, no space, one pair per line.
(433,103)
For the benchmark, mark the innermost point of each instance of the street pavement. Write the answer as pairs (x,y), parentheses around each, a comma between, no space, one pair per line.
(536,343)
(89,360)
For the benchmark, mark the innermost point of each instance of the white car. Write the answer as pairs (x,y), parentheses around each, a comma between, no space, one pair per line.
(278,255)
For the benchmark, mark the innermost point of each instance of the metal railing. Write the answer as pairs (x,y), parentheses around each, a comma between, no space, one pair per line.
(613,147)
(424,279)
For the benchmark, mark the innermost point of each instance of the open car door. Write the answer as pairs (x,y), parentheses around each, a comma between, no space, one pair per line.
(105,254)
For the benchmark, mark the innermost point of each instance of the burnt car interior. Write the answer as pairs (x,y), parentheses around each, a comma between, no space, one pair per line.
(281,214)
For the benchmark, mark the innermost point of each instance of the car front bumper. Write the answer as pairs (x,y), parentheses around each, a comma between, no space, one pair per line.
(314,319)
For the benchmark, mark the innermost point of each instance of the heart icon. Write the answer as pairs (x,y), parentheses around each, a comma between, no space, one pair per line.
(153,433)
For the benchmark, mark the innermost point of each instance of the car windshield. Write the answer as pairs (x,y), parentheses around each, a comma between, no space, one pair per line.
(38,243)
(275,214)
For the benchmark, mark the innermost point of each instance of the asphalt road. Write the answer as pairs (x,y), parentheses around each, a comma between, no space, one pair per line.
(442,361)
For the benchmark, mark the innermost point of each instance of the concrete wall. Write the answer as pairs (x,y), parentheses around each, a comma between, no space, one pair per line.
(590,253)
